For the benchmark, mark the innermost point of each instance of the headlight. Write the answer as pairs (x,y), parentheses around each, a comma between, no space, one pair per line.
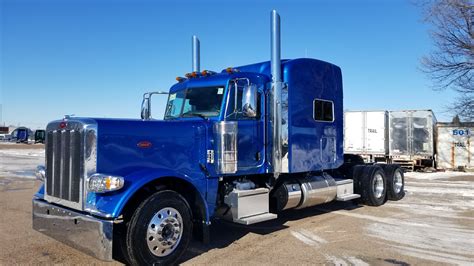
(100,183)
(40,172)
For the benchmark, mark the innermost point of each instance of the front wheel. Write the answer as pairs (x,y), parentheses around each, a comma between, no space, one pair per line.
(160,230)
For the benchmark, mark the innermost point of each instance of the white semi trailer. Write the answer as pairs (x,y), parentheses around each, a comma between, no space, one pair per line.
(411,138)
(455,146)
(365,134)
(404,137)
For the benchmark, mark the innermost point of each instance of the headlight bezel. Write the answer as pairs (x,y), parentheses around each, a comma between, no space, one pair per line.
(103,183)
(40,173)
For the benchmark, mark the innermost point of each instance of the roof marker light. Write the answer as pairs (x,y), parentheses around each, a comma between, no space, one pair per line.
(180,79)
(192,75)
(231,70)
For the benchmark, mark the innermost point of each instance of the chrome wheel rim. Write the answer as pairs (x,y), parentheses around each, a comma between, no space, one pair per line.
(397,182)
(165,230)
(378,186)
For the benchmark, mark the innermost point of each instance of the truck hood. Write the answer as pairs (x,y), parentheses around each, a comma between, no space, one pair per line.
(128,146)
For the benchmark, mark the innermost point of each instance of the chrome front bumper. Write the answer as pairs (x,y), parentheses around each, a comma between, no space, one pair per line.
(86,233)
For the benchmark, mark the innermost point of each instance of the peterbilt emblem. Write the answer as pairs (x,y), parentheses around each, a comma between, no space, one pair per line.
(144,144)
(62,124)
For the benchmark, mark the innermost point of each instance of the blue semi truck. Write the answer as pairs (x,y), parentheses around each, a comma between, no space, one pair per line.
(22,135)
(244,144)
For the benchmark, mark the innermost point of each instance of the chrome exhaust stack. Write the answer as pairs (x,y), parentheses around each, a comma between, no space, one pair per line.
(196,54)
(275,47)
(279,156)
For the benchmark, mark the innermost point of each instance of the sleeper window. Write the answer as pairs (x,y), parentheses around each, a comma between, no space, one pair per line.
(323,110)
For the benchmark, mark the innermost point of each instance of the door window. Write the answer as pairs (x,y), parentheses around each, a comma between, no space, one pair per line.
(234,102)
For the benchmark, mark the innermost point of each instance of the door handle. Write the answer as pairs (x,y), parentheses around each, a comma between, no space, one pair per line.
(257,156)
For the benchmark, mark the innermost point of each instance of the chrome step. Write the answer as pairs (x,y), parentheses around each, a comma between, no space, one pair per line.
(340,182)
(249,206)
(345,190)
(347,197)
(256,218)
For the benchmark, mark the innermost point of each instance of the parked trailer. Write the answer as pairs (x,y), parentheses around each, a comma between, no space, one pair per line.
(365,134)
(244,144)
(455,146)
(411,138)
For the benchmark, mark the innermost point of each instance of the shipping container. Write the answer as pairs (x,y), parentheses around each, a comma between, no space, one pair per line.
(412,138)
(365,134)
(455,146)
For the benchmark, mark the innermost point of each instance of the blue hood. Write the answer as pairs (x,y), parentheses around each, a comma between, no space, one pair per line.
(128,146)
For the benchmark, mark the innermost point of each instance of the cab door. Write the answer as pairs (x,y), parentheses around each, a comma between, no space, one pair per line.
(250,136)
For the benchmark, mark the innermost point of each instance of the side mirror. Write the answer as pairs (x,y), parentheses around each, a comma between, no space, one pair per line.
(145,113)
(249,100)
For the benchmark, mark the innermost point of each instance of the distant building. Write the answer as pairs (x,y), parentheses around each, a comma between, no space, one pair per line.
(4,130)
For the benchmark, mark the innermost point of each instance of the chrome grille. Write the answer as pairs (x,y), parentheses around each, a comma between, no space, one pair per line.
(70,158)
(64,164)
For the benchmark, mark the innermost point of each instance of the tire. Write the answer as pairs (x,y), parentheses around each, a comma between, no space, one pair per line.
(395,181)
(356,175)
(372,185)
(159,230)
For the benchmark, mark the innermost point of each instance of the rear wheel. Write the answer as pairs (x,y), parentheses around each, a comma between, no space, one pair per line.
(160,230)
(395,181)
(372,185)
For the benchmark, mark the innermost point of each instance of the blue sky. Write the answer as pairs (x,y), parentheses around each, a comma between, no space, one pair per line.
(97,58)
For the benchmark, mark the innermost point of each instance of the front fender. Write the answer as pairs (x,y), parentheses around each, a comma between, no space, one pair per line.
(112,204)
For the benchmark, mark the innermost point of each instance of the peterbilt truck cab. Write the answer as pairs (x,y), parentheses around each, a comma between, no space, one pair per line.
(244,144)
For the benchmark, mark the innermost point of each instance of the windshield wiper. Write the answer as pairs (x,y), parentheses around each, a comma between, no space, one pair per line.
(195,114)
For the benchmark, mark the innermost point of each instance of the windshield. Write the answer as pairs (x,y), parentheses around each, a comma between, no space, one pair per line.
(203,102)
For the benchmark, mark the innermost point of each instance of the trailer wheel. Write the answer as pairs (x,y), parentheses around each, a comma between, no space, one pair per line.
(395,181)
(160,230)
(373,185)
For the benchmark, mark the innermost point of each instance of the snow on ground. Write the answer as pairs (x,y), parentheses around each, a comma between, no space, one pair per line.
(436,175)
(20,163)
(435,219)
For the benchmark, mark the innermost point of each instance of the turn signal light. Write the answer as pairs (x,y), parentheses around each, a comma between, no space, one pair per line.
(100,183)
